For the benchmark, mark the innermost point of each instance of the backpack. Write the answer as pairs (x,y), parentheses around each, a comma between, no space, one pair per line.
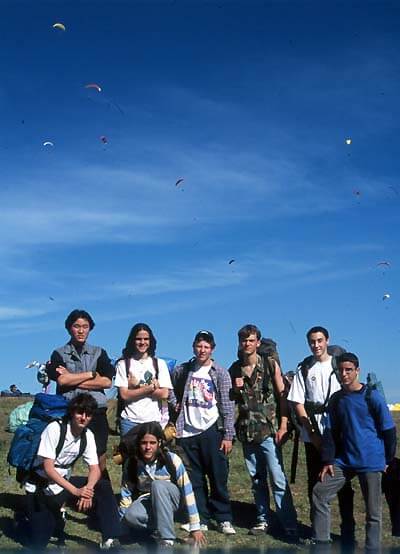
(19,416)
(25,444)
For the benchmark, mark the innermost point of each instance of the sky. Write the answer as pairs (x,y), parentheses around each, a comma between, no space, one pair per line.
(251,104)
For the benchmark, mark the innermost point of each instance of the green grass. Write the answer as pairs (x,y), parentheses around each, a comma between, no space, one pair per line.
(239,484)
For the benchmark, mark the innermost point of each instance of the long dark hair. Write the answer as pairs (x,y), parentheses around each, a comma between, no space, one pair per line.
(130,347)
(138,432)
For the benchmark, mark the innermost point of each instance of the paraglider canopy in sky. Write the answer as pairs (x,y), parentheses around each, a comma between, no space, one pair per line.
(59,26)
(94,85)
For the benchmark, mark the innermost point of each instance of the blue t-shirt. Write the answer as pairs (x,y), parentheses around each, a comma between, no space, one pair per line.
(357,429)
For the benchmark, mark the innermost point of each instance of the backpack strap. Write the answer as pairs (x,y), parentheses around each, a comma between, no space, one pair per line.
(155,365)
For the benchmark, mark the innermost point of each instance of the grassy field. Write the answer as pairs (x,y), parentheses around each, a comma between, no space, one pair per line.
(78,535)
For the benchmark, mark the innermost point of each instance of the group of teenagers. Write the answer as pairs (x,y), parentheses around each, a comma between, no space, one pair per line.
(346,428)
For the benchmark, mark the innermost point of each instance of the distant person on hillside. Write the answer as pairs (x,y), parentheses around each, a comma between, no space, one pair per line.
(50,485)
(205,429)
(14,390)
(259,392)
(359,439)
(313,385)
(79,367)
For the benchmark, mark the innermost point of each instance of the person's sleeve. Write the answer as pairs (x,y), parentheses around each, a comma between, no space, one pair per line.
(104,366)
(49,441)
(184,484)
(90,452)
(389,440)
(228,407)
(121,380)
(328,448)
(383,415)
(297,389)
(164,377)
(55,361)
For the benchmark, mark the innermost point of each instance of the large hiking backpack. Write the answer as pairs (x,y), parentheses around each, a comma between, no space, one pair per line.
(24,446)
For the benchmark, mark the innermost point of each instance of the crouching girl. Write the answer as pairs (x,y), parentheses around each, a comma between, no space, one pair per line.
(159,483)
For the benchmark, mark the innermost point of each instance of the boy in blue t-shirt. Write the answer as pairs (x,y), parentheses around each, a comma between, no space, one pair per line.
(360,440)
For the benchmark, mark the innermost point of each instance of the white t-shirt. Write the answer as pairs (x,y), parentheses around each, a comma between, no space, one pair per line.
(145,409)
(319,377)
(200,409)
(69,452)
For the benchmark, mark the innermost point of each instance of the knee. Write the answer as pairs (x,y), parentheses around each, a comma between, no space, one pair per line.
(133,518)
(161,488)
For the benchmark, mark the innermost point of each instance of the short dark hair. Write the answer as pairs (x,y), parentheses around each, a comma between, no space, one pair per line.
(130,347)
(248,330)
(207,336)
(348,357)
(82,403)
(78,314)
(317,329)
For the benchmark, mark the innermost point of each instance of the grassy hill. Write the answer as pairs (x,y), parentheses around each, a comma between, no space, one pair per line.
(78,534)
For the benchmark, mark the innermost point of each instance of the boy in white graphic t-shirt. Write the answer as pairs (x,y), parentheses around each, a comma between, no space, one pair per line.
(204,423)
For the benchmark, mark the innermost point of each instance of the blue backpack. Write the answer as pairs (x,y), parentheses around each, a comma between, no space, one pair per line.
(24,446)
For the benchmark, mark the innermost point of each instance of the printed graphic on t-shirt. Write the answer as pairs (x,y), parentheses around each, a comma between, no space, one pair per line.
(201,393)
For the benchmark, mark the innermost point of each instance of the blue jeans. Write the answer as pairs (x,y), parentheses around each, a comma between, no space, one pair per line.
(126,425)
(261,460)
(156,511)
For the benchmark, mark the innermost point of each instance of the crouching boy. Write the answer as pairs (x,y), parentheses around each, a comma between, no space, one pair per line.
(51,485)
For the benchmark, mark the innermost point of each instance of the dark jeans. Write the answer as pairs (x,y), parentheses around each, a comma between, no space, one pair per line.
(345,495)
(44,511)
(206,459)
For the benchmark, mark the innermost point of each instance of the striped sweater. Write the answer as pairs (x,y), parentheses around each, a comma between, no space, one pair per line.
(143,486)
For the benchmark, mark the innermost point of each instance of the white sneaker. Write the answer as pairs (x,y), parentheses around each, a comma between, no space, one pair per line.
(226,528)
(259,528)
(186,527)
(167,543)
(109,544)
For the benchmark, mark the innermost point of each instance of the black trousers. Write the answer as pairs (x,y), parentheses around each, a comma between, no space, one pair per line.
(345,495)
(207,460)
(44,511)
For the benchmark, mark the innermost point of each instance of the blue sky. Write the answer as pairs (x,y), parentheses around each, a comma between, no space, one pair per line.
(250,103)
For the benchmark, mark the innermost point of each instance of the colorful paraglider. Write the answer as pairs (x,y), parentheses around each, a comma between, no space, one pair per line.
(386,296)
(48,143)
(94,85)
(348,141)
(179,181)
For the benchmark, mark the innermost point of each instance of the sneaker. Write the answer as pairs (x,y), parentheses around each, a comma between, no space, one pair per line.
(109,544)
(186,527)
(226,528)
(166,543)
(259,528)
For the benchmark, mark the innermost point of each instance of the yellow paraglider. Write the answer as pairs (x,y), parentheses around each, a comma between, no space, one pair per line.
(60,26)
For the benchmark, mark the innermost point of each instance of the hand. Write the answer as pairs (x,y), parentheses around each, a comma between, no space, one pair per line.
(281,436)
(239,383)
(85,492)
(156,384)
(61,370)
(226,447)
(326,470)
(84,504)
(199,538)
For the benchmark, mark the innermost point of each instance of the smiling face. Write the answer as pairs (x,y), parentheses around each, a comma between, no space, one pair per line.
(148,448)
(80,330)
(203,351)
(142,343)
(318,344)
